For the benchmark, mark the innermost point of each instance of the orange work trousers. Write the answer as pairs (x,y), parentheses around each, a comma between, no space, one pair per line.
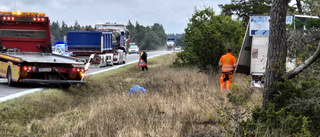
(226,79)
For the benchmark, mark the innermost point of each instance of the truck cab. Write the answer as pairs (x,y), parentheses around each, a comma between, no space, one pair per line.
(171,43)
(120,36)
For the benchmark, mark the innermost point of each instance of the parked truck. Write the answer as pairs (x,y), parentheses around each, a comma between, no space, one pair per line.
(107,43)
(253,54)
(171,43)
(26,52)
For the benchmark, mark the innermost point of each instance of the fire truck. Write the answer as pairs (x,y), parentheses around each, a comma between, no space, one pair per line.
(26,52)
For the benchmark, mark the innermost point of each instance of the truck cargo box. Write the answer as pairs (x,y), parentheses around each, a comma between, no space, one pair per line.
(84,40)
(87,41)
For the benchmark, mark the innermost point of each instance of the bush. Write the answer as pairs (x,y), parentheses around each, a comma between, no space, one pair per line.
(295,112)
(207,37)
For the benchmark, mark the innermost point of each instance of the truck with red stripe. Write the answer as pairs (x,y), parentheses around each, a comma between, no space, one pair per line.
(26,52)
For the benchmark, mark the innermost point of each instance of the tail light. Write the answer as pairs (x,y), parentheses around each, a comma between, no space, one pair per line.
(8,18)
(116,53)
(39,19)
(78,70)
(26,68)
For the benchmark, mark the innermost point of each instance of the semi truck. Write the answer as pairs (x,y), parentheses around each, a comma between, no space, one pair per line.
(107,43)
(253,54)
(171,43)
(26,52)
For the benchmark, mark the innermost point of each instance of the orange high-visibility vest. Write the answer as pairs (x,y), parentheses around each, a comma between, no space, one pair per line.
(228,62)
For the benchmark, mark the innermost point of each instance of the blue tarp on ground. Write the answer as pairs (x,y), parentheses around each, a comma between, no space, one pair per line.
(137,88)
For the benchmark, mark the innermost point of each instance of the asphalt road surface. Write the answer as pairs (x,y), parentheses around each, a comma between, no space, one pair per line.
(7,92)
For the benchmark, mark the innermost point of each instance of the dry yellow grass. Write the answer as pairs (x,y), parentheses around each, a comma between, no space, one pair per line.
(179,102)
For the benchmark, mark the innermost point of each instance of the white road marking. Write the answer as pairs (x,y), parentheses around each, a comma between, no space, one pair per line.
(3,80)
(12,96)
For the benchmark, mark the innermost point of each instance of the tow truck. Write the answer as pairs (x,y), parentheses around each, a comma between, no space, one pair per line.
(26,52)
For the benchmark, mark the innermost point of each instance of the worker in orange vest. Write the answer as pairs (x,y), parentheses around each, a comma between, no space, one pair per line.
(228,63)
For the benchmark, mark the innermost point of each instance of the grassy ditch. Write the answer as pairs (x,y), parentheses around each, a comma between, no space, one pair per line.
(179,102)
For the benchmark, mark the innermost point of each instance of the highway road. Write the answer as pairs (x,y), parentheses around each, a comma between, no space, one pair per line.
(7,92)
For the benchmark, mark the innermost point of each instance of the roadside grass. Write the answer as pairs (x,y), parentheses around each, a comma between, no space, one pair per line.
(179,102)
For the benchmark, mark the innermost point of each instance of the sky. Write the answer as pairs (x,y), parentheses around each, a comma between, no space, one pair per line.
(172,14)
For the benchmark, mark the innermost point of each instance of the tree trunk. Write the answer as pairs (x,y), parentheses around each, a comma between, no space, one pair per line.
(277,51)
(299,5)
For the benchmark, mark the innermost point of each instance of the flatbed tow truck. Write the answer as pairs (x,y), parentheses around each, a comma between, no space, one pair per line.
(26,52)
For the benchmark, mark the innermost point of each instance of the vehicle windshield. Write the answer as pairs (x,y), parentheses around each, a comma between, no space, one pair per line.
(133,47)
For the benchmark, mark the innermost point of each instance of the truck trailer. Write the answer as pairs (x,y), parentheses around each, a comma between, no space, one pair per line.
(107,43)
(254,51)
(26,52)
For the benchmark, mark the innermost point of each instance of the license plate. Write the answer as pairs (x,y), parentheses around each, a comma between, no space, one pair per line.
(45,69)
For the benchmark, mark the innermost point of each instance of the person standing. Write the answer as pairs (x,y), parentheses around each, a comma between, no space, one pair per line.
(144,57)
(228,63)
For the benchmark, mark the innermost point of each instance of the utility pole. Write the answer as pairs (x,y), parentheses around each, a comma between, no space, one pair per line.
(15,5)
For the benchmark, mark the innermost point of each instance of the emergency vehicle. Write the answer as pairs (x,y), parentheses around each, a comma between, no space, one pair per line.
(26,52)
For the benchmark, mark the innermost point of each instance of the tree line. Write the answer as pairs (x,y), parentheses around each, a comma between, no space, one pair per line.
(146,37)
(59,31)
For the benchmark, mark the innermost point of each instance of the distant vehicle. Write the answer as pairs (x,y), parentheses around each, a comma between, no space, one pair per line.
(171,42)
(60,49)
(134,49)
(178,48)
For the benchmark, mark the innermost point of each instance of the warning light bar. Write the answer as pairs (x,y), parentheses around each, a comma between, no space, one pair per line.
(18,13)
(23,17)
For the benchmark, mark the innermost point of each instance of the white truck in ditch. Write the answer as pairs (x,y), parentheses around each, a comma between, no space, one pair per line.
(253,54)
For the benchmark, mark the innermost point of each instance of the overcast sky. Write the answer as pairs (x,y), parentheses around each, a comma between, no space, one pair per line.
(172,14)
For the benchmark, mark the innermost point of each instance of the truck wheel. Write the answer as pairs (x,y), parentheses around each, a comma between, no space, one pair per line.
(9,77)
